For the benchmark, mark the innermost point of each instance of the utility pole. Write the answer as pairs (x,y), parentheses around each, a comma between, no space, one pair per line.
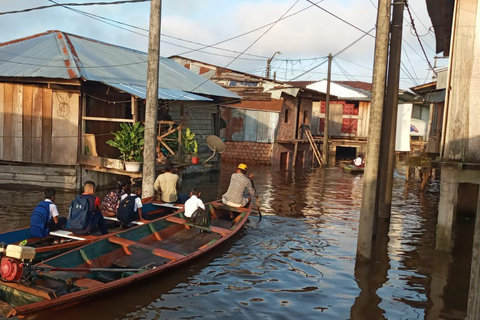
(369,194)
(151,112)
(326,123)
(269,61)
(389,125)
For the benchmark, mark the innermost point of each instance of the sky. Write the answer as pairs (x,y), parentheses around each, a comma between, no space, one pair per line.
(302,33)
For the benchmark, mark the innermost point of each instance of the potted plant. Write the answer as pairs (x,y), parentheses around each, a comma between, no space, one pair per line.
(129,141)
(190,145)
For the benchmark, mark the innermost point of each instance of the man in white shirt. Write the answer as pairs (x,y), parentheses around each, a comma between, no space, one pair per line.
(193,203)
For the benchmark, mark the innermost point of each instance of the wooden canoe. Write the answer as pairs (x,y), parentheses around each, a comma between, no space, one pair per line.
(61,241)
(149,249)
(348,167)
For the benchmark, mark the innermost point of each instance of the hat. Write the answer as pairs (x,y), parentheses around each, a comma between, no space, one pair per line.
(242,166)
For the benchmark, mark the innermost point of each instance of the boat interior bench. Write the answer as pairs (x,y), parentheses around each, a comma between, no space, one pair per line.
(167,205)
(66,234)
(233,209)
(138,223)
(127,244)
(219,230)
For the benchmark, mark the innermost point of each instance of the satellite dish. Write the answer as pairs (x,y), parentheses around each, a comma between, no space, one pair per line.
(216,145)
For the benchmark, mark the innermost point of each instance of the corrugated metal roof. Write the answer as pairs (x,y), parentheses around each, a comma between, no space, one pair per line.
(56,54)
(165,94)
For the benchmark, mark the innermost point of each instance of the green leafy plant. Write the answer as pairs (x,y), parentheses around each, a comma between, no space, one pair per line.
(129,141)
(190,145)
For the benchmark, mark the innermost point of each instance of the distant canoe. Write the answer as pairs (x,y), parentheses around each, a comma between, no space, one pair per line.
(61,241)
(119,260)
(348,167)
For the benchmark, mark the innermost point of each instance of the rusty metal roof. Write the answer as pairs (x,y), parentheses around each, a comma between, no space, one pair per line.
(60,55)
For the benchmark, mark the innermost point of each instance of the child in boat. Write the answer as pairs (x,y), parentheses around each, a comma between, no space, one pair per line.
(359,161)
(130,208)
(45,216)
(85,212)
(111,201)
(195,209)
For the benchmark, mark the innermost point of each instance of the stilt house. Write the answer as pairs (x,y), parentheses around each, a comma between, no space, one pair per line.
(266,126)
(61,96)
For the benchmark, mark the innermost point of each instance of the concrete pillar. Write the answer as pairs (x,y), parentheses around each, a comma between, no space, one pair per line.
(473,308)
(446,213)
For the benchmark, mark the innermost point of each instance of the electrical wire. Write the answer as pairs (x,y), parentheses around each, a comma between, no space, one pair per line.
(108,21)
(72,4)
(410,62)
(336,54)
(256,40)
(418,38)
(251,31)
(343,20)
(345,73)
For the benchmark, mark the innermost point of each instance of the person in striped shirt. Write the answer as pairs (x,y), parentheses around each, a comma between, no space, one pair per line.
(240,191)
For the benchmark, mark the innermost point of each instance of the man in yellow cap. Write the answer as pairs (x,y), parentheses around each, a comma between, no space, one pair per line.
(240,191)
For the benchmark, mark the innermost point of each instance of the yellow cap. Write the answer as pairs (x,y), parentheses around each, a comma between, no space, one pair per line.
(242,166)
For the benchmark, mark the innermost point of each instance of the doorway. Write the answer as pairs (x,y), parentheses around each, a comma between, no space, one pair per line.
(345,153)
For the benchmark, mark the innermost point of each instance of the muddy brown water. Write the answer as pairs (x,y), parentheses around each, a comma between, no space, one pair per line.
(299,261)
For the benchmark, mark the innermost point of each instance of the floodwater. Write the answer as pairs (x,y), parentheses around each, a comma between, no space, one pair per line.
(299,261)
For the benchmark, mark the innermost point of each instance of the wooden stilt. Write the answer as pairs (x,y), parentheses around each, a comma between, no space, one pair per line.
(295,150)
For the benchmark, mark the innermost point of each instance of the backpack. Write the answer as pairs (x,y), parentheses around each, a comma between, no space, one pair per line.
(126,209)
(79,213)
(201,218)
(39,220)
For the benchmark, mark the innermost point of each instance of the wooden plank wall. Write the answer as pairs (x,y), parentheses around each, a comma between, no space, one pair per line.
(27,132)
(65,128)
(200,120)
(363,118)
(462,138)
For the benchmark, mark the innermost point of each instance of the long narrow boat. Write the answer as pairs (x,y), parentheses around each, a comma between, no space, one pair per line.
(61,241)
(348,167)
(118,260)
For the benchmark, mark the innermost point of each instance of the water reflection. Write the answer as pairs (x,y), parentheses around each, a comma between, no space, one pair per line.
(299,262)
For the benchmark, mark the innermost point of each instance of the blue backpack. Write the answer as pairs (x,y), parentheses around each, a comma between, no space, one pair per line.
(79,213)
(39,220)
(126,209)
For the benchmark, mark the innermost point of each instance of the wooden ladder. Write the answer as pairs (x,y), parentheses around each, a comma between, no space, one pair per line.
(316,152)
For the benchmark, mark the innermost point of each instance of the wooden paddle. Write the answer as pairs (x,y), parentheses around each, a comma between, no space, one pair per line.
(257,201)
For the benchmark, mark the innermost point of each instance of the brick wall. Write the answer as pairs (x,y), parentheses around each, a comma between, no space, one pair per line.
(249,152)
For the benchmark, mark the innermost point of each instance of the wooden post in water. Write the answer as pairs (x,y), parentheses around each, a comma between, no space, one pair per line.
(389,125)
(151,112)
(369,194)
(326,125)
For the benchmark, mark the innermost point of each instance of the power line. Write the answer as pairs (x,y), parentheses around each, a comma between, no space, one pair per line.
(345,73)
(72,4)
(108,20)
(409,61)
(343,20)
(418,38)
(101,18)
(336,54)
(256,40)
(428,29)
(251,31)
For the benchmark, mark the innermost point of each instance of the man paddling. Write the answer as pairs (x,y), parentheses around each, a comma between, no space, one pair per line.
(240,191)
